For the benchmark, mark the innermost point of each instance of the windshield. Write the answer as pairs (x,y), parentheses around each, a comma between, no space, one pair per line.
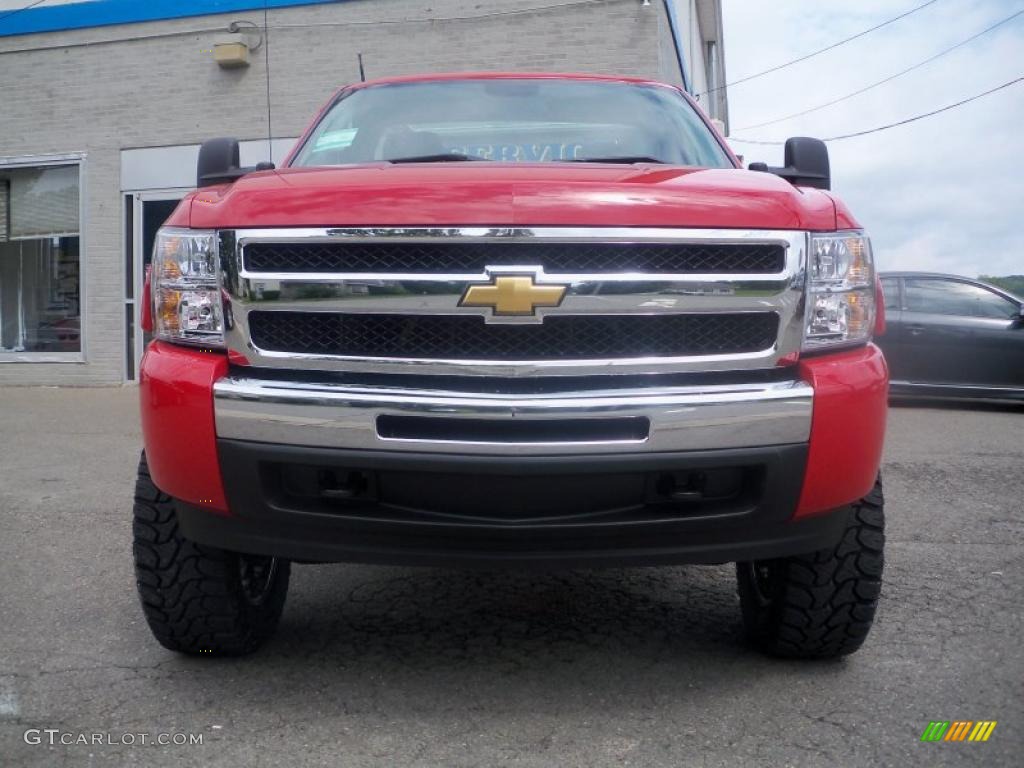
(513,121)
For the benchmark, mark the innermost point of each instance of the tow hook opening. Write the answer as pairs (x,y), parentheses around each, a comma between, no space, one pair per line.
(705,485)
(325,483)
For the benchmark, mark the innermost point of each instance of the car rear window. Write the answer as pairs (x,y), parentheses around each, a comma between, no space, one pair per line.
(951,297)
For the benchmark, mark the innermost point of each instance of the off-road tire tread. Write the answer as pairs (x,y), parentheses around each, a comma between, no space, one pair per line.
(824,602)
(191,594)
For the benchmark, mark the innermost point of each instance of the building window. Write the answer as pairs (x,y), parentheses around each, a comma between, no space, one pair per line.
(40,259)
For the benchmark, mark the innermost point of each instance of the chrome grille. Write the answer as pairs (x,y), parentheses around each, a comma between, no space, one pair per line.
(636,300)
(560,337)
(554,258)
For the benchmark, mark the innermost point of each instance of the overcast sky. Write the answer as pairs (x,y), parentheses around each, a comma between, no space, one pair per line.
(945,193)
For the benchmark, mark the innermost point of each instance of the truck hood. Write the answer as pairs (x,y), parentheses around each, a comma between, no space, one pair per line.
(489,194)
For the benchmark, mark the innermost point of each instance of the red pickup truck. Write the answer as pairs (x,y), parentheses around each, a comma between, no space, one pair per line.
(512,320)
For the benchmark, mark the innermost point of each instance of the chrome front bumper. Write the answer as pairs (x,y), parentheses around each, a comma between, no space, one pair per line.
(678,418)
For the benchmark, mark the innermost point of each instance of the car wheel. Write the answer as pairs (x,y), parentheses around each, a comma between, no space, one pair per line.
(199,599)
(822,604)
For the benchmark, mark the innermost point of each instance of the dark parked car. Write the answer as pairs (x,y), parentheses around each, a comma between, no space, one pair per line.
(948,336)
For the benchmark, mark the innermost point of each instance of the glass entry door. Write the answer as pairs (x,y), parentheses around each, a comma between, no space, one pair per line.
(144,213)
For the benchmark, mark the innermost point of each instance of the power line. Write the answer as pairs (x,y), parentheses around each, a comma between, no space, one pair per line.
(896,124)
(112,41)
(266,60)
(19,10)
(432,19)
(356,23)
(844,41)
(866,88)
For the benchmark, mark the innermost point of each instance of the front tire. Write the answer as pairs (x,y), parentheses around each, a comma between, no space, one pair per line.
(819,605)
(199,599)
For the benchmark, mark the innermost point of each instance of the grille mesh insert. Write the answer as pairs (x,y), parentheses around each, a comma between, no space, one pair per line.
(468,337)
(555,258)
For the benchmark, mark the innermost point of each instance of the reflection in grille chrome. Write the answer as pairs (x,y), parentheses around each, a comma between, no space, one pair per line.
(555,258)
(453,337)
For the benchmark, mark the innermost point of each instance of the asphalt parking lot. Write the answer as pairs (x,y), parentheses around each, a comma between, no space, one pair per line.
(387,666)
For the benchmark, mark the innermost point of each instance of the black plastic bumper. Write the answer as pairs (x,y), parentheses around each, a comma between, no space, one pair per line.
(320,504)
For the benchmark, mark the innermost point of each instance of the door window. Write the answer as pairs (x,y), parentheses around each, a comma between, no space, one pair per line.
(951,297)
(891,292)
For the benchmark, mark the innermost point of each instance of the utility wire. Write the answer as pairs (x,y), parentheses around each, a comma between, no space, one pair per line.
(358,23)
(432,19)
(112,41)
(890,78)
(19,10)
(266,61)
(423,20)
(899,122)
(805,57)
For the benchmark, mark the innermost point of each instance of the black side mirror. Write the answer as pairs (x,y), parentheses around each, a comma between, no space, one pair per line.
(218,163)
(806,163)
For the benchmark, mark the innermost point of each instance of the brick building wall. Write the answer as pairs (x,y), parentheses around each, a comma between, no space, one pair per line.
(100,90)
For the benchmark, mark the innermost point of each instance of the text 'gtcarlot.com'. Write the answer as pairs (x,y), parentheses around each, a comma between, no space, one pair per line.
(54,736)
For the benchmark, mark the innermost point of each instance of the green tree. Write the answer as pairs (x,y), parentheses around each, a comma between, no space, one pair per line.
(1012,283)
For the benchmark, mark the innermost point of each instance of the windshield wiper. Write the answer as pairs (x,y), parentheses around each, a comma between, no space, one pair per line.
(443,157)
(624,159)
(458,157)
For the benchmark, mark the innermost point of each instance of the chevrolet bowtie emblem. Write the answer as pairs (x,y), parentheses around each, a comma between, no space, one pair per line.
(513,295)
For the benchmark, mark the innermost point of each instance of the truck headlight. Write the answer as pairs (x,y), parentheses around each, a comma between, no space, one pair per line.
(185,281)
(840,291)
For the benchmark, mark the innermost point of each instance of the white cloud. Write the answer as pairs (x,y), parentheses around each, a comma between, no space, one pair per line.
(945,193)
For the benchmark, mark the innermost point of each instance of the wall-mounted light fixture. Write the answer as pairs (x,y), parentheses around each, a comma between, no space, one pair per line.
(231,51)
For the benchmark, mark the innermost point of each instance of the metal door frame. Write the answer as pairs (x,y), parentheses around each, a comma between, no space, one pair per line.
(134,301)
